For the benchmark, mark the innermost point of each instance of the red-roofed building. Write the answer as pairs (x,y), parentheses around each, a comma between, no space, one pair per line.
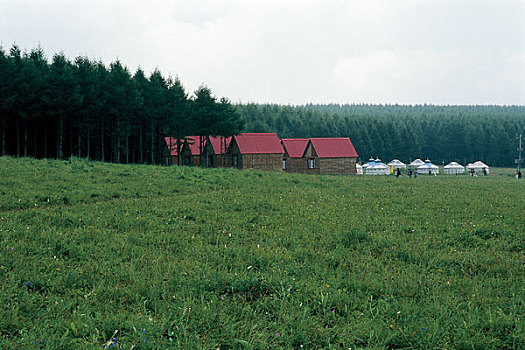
(260,151)
(214,154)
(189,154)
(293,160)
(330,156)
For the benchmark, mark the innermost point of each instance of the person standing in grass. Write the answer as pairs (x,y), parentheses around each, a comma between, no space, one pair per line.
(409,173)
(398,173)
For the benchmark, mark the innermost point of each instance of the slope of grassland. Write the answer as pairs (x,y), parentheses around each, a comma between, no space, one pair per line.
(96,255)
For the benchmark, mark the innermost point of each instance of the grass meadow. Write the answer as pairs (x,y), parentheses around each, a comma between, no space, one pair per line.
(102,256)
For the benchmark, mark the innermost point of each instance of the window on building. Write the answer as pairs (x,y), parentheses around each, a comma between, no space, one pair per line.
(284,164)
(311,163)
(235,160)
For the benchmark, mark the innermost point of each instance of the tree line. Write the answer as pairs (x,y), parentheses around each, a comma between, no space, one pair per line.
(84,108)
(62,108)
(440,133)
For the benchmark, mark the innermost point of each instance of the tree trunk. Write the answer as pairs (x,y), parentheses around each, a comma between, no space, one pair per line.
(25,139)
(60,137)
(127,147)
(103,158)
(141,159)
(17,137)
(79,154)
(34,141)
(117,148)
(3,136)
(45,137)
(88,141)
(152,142)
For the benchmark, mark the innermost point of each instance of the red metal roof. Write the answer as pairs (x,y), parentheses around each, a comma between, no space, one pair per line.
(259,143)
(295,147)
(333,147)
(171,143)
(216,143)
(193,142)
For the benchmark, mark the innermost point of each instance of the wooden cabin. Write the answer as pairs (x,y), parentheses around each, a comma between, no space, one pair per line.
(293,161)
(170,151)
(330,156)
(190,152)
(214,153)
(260,151)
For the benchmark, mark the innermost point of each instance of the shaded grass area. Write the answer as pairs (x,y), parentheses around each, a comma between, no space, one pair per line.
(189,258)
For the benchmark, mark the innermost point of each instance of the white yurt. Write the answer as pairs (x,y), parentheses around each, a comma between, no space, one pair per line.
(453,168)
(478,166)
(416,163)
(370,162)
(377,169)
(358,169)
(428,168)
(397,164)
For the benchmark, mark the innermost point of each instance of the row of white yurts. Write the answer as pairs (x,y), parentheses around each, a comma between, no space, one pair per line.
(377,167)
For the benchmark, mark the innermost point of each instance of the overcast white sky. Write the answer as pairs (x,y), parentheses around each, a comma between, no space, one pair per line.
(295,51)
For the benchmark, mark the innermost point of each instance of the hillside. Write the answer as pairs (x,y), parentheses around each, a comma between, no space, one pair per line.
(94,255)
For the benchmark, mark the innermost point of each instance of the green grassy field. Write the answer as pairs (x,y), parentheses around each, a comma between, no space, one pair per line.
(96,256)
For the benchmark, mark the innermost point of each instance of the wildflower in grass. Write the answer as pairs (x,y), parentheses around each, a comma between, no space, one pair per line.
(28,284)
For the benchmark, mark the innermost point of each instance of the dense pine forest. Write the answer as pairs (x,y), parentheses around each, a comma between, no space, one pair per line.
(60,108)
(82,108)
(441,133)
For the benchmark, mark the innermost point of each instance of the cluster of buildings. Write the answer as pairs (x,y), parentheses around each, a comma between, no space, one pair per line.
(376,167)
(265,151)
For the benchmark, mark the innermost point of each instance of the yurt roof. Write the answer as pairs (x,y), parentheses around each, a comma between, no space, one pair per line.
(453,165)
(396,162)
(478,164)
(417,162)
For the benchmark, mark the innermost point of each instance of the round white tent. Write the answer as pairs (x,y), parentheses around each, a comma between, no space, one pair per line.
(377,169)
(416,163)
(478,166)
(370,162)
(358,169)
(428,168)
(453,168)
(396,163)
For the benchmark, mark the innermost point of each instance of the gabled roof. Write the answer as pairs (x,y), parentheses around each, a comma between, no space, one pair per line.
(193,143)
(336,147)
(259,143)
(171,143)
(295,147)
(216,143)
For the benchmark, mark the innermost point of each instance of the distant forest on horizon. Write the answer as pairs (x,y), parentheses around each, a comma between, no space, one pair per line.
(440,133)
(62,108)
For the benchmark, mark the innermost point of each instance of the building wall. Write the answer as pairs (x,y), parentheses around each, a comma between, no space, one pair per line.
(337,166)
(262,161)
(296,165)
(209,157)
